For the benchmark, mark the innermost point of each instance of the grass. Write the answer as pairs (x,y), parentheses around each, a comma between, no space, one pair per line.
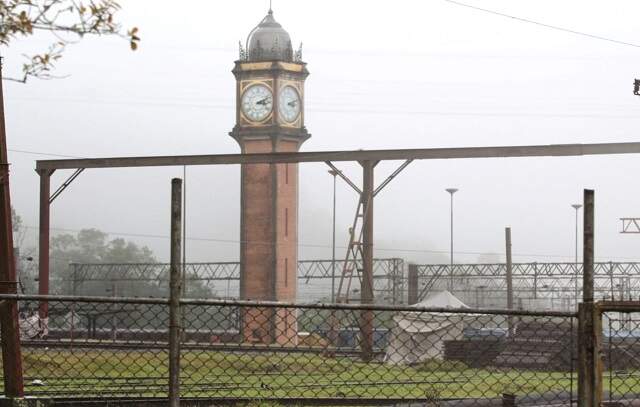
(261,376)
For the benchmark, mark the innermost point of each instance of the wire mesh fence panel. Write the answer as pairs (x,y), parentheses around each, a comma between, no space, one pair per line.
(266,351)
(621,351)
(89,349)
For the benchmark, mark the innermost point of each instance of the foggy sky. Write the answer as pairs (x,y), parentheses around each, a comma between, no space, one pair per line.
(403,74)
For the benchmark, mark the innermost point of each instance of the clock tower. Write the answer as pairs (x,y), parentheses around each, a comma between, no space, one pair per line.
(269,118)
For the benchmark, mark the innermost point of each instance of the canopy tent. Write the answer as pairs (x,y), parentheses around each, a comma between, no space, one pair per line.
(420,336)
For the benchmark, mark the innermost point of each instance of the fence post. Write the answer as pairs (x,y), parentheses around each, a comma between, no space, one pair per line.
(589,319)
(413,284)
(175,283)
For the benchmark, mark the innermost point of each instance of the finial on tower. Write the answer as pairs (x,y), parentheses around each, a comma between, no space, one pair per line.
(270,9)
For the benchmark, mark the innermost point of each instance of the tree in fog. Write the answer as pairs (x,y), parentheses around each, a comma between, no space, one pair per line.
(66,22)
(25,266)
(131,270)
(92,246)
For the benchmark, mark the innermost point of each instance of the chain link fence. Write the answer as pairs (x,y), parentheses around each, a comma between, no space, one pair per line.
(621,355)
(239,350)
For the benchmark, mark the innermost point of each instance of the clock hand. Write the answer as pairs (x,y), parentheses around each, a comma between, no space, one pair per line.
(263,101)
(293,103)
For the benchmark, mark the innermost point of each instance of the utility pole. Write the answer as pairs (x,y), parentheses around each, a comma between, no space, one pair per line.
(11,355)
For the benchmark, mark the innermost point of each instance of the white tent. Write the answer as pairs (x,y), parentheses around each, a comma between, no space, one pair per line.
(419,336)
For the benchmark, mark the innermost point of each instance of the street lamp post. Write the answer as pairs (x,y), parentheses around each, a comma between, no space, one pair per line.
(333,243)
(577,208)
(451,191)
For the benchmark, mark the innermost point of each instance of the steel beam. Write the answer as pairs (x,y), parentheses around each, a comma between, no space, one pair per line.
(391,177)
(344,177)
(65,184)
(552,150)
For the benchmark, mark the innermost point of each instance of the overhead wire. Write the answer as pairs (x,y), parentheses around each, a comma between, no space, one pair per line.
(322,246)
(357,110)
(538,23)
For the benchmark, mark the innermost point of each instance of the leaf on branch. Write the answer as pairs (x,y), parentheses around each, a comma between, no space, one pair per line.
(22,18)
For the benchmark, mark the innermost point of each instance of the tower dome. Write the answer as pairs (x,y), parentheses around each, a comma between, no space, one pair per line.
(269,42)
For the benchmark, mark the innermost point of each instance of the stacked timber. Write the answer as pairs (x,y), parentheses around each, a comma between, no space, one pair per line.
(535,345)
(539,345)
(478,353)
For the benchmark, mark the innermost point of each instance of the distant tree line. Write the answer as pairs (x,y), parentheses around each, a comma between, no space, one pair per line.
(92,246)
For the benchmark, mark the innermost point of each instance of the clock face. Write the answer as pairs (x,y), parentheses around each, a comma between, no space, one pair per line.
(257,102)
(289,104)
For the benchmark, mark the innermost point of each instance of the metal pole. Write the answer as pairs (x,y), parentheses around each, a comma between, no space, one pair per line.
(588,246)
(9,325)
(535,282)
(451,191)
(114,327)
(175,290)
(366,289)
(413,284)
(43,242)
(611,281)
(507,233)
(575,281)
(333,240)
(183,292)
(184,232)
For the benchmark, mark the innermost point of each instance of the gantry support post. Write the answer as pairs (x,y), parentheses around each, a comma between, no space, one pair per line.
(366,289)
(9,326)
(43,242)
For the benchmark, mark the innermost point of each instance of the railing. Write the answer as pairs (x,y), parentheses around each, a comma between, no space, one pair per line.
(241,350)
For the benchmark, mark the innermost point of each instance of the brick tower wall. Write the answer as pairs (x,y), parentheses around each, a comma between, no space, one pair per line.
(269,253)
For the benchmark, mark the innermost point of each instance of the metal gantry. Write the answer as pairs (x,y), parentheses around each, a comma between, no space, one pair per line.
(367,158)
(221,278)
(533,283)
